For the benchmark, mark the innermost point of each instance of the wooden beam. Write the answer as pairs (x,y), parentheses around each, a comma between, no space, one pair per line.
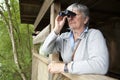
(30,16)
(27,20)
(37,2)
(30,4)
(88,77)
(55,8)
(45,60)
(42,11)
(42,35)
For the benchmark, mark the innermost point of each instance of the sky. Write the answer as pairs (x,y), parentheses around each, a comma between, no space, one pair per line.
(1,1)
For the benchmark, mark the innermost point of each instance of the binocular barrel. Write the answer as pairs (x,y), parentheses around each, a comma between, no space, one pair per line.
(67,13)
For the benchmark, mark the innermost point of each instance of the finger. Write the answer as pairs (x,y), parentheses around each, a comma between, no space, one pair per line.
(49,67)
(64,18)
(57,17)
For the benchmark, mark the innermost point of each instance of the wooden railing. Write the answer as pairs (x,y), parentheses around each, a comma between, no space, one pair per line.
(40,71)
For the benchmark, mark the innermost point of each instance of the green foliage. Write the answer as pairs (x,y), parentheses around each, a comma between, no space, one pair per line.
(23,39)
(6,57)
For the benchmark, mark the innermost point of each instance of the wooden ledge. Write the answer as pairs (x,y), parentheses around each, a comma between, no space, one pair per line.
(41,58)
(45,60)
(88,77)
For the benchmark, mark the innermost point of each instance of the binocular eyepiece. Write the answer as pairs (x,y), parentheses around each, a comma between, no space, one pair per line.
(67,13)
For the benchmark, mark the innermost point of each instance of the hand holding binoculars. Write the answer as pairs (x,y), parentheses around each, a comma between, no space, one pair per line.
(67,13)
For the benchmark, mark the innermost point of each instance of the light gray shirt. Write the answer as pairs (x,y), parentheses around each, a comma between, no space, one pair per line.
(91,56)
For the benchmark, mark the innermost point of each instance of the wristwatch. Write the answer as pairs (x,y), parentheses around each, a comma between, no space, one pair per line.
(66,68)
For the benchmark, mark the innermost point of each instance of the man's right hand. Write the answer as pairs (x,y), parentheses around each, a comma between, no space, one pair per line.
(59,23)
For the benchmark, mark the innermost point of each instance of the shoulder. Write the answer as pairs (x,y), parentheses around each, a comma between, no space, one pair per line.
(92,30)
(95,33)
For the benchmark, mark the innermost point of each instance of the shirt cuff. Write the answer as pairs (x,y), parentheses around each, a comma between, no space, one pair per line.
(70,67)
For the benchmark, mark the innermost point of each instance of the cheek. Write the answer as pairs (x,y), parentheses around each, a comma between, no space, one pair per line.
(80,21)
(74,23)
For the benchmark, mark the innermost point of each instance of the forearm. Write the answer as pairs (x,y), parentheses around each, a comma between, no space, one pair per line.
(94,66)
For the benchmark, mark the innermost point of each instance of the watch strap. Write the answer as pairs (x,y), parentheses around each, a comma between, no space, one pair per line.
(66,68)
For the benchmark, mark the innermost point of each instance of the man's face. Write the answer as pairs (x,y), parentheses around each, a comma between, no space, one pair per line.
(78,21)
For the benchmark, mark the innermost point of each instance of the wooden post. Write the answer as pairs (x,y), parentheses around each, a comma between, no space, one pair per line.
(55,8)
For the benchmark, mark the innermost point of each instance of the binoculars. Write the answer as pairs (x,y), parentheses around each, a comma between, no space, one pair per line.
(67,13)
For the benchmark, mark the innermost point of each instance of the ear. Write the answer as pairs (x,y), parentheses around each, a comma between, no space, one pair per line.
(86,20)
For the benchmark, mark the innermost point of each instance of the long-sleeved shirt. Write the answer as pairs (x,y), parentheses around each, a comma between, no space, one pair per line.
(91,56)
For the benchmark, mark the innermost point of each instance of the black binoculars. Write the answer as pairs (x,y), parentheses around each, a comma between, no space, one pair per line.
(67,13)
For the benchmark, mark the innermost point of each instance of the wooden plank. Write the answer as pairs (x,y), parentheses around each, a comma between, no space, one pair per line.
(42,71)
(34,68)
(31,4)
(42,35)
(30,16)
(41,58)
(55,8)
(88,77)
(39,67)
(42,11)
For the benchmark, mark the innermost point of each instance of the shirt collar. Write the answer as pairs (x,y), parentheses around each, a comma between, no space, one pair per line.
(83,34)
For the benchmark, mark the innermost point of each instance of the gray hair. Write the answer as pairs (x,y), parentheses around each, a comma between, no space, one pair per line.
(81,8)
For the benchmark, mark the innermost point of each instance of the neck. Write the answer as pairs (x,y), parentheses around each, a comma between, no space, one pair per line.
(77,33)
